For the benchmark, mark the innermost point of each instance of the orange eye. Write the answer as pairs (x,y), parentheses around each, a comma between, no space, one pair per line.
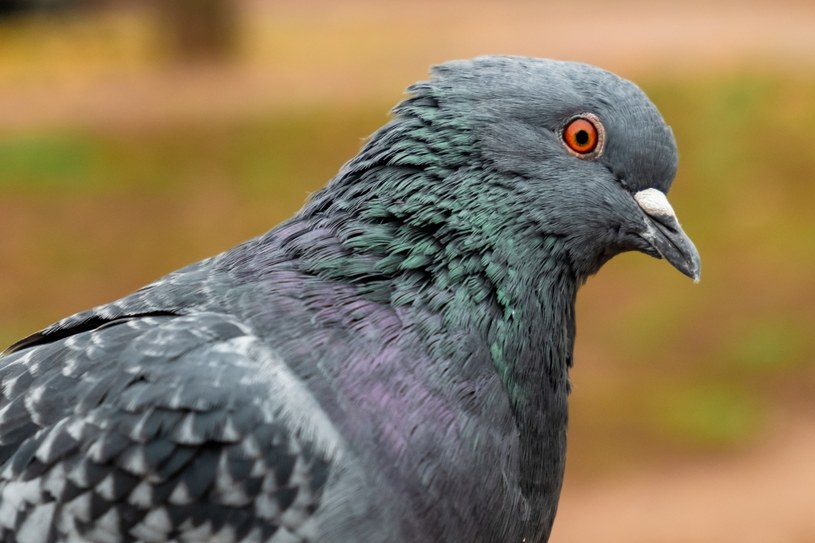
(583,135)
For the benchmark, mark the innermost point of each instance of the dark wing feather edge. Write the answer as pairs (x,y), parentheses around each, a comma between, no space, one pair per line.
(159,428)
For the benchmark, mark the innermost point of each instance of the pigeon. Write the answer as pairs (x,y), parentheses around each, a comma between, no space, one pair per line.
(391,364)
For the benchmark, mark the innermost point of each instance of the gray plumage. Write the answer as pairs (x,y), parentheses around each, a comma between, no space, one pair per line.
(390,364)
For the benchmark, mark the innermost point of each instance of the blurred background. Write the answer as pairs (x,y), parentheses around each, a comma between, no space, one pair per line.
(136,137)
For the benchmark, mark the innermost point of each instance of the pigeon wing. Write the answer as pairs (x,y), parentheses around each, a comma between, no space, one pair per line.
(159,428)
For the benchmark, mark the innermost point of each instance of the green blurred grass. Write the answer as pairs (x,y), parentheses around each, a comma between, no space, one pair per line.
(663,367)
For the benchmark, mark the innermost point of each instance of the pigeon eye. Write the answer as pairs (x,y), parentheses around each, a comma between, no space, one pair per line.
(583,136)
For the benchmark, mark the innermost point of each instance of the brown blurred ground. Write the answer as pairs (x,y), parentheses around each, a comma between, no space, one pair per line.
(764,495)
(663,448)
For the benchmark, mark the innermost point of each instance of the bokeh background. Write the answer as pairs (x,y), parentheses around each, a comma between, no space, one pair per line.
(136,137)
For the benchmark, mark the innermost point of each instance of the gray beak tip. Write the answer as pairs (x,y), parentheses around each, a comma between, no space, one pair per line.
(666,236)
(696,274)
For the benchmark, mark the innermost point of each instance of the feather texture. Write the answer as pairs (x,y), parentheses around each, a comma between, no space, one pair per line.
(390,364)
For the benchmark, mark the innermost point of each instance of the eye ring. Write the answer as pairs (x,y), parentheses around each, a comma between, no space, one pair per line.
(584,136)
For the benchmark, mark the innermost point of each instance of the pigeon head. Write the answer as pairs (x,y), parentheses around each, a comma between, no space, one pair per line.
(516,158)
(590,156)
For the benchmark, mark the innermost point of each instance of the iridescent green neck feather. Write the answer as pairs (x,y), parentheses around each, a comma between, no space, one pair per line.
(422,221)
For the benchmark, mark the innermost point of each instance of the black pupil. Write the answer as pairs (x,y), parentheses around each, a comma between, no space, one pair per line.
(582,137)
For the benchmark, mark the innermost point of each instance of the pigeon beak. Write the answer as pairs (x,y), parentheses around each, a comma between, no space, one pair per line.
(665,235)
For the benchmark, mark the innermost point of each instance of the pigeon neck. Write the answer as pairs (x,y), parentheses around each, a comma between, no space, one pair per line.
(416,219)
(519,299)
(512,289)
(486,303)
